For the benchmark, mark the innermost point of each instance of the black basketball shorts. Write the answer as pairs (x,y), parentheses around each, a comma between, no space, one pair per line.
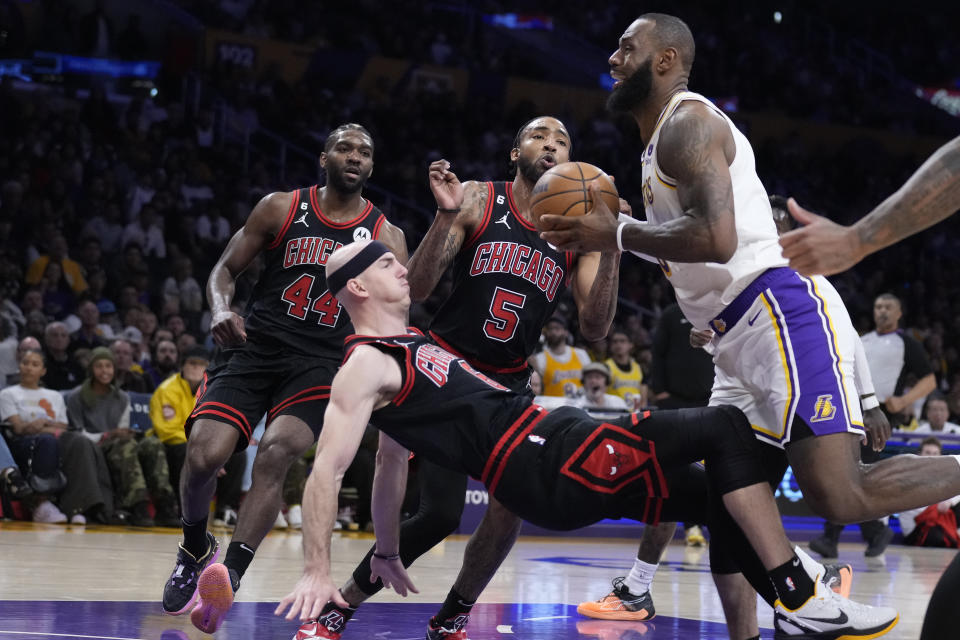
(246,382)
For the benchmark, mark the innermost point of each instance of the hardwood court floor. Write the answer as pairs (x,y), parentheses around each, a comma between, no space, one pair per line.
(60,581)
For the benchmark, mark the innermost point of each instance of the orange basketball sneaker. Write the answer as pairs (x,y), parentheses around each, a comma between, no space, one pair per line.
(619,604)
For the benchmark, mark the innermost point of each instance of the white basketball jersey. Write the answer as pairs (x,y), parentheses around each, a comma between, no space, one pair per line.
(704,288)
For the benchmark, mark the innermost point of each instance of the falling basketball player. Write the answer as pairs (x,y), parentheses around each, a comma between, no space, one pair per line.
(278,361)
(784,344)
(561,469)
(507,282)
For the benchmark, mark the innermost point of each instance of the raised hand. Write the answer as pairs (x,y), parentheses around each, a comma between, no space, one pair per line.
(595,231)
(445,186)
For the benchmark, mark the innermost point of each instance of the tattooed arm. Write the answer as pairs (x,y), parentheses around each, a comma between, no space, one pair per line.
(596,278)
(448,231)
(696,149)
(931,194)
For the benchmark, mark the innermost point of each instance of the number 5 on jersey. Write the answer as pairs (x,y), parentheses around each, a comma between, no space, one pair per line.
(297,296)
(503,309)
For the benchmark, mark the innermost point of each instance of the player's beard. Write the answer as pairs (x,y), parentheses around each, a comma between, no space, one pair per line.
(633,91)
(335,180)
(530,170)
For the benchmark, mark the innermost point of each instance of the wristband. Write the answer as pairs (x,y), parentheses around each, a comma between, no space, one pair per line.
(389,558)
(442,210)
(620,235)
(869,401)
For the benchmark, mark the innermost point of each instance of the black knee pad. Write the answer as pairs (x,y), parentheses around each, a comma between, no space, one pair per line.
(737,462)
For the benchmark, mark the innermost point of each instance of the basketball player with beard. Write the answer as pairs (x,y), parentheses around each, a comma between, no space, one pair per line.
(506,284)
(279,360)
(784,344)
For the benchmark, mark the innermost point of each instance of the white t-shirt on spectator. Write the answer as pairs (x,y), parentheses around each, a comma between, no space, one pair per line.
(948,427)
(31,404)
(150,240)
(188,293)
(214,229)
(908,520)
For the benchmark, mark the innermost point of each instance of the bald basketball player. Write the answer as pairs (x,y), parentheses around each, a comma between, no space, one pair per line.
(784,344)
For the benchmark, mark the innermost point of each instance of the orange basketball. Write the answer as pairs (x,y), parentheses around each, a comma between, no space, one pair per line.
(563,191)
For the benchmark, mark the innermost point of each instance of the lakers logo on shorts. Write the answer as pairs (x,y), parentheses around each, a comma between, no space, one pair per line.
(824,409)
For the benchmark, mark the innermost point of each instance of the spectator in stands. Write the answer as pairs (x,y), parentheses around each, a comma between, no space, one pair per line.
(146,233)
(626,377)
(213,230)
(70,270)
(175,324)
(91,255)
(107,228)
(163,364)
(89,335)
(58,298)
(9,365)
(936,525)
(36,417)
(170,406)
(29,343)
(138,464)
(185,342)
(937,413)
(183,289)
(596,379)
(62,371)
(559,365)
(37,324)
(96,32)
(129,375)
(682,374)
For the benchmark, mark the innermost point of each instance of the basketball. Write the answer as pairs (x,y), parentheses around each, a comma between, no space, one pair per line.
(564,191)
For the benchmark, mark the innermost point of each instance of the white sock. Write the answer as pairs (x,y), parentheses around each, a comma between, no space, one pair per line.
(957,458)
(641,575)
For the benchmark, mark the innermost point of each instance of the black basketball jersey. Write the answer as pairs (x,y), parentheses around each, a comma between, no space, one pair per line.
(440,388)
(506,284)
(291,305)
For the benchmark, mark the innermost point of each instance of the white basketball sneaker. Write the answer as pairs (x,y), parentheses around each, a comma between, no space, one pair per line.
(829,616)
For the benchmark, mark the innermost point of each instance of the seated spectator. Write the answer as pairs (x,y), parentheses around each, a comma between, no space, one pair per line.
(58,298)
(57,254)
(170,407)
(559,365)
(62,371)
(183,289)
(936,413)
(27,344)
(138,465)
(129,375)
(163,364)
(89,335)
(8,353)
(36,417)
(146,233)
(936,525)
(596,379)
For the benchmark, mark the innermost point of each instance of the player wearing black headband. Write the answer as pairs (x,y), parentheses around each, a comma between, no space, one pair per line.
(277,359)
(561,469)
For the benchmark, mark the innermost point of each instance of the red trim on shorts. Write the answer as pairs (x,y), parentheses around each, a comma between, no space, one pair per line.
(283,404)
(288,222)
(476,363)
(520,438)
(319,396)
(377,227)
(201,408)
(229,418)
(515,210)
(330,223)
(485,221)
(505,438)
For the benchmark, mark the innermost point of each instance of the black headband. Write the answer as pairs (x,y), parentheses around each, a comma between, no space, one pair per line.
(355,266)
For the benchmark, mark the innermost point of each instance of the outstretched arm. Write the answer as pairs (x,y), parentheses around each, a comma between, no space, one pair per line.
(696,148)
(358,388)
(389,486)
(930,195)
(449,230)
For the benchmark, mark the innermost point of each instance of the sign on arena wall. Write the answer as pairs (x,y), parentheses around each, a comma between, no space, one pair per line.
(946,99)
